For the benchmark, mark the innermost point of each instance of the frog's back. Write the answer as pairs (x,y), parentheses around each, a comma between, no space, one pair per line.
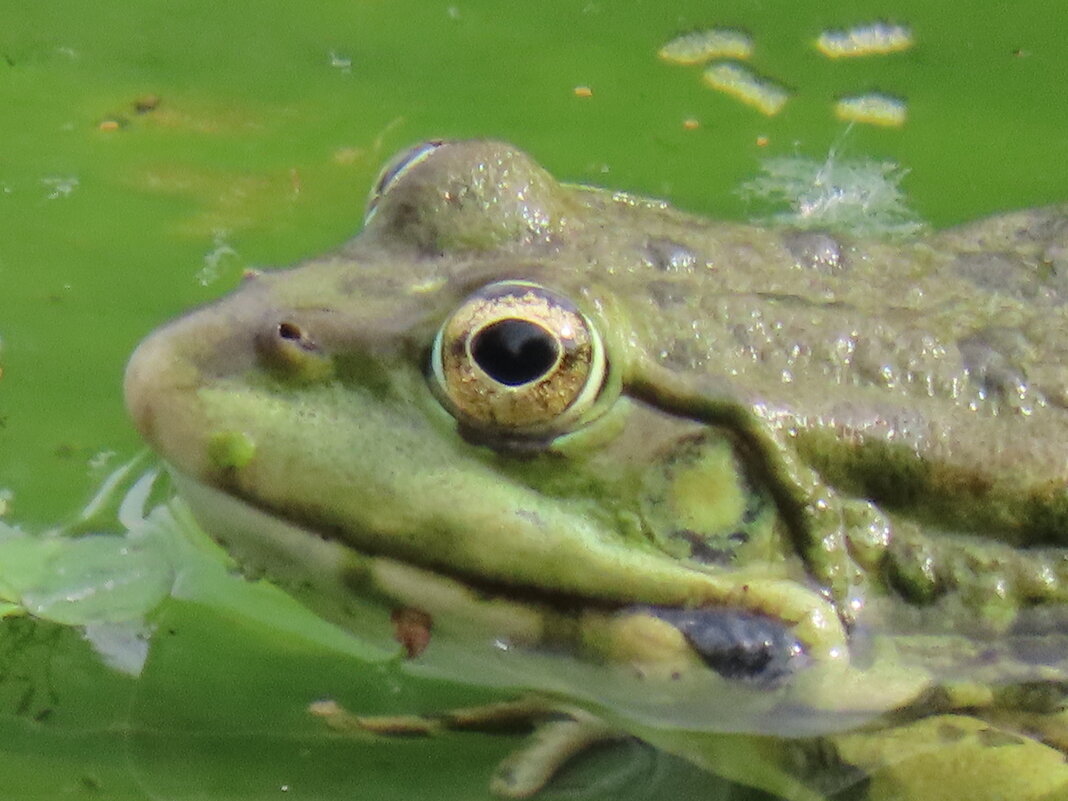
(930,375)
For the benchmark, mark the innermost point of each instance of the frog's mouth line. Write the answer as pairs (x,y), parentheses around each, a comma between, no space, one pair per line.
(270,541)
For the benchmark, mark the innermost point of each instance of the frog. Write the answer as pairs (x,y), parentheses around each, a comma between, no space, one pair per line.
(790,504)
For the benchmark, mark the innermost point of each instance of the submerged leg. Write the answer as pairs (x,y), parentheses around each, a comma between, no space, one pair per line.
(559,734)
(529,768)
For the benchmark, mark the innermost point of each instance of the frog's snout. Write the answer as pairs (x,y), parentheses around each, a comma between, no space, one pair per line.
(169,369)
(151,374)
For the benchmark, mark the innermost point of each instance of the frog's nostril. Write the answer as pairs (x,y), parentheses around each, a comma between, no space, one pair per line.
(295,333)
(291,351)
(288,331)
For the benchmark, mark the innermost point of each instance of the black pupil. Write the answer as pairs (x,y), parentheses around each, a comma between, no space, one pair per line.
(514,352)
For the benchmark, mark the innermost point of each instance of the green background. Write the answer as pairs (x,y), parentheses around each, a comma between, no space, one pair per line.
(269,122)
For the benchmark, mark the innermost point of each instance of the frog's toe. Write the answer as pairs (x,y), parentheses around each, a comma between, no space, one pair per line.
(343,721)
(527,770)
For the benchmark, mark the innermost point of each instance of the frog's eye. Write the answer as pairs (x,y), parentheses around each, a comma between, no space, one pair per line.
(396,167)
(519,357)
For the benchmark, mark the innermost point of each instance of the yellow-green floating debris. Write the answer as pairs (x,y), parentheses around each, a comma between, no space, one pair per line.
(875,39)
(701,46)
(873,109)
(737,81)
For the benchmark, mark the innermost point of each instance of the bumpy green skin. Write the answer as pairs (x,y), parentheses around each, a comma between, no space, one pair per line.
(889,421)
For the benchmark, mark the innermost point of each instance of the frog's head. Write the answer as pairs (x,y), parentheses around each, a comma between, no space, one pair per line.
(458,393)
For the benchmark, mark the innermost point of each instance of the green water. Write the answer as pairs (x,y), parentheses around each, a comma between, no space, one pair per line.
(264,144)
(268,122)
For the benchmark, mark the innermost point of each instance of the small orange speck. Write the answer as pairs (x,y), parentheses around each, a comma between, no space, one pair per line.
(583,91)
(411,628)
(762,141)
(109,125)
(691,124)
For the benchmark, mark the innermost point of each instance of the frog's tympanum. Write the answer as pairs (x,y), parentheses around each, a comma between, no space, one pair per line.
(788,504)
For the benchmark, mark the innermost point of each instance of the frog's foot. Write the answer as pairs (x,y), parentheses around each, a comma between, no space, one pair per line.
(522,713)
(559,734)
(979,760)
(528,769)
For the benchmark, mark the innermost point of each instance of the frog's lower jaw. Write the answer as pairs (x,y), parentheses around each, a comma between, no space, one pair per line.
(637,660)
